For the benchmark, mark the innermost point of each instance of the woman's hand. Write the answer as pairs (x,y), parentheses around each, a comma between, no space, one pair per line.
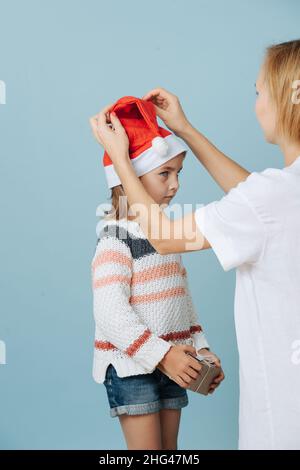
(213,358)
(169,109)
(110,133)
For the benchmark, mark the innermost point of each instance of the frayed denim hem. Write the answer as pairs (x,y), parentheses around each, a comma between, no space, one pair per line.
(147,408)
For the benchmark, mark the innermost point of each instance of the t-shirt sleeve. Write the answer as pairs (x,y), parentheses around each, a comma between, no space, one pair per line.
(233,227)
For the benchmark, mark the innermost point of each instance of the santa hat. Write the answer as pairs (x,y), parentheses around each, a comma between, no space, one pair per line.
(150,146)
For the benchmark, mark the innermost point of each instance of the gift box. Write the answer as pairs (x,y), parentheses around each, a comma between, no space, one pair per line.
(209,371)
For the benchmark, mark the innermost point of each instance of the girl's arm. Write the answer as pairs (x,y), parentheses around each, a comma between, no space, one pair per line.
(225,171)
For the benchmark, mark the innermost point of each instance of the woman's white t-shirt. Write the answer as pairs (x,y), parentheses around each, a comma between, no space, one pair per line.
(256,229)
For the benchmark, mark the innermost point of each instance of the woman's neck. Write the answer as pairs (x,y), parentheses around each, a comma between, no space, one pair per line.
(290,151)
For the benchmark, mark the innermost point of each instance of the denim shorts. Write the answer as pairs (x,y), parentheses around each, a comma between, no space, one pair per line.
(143,393)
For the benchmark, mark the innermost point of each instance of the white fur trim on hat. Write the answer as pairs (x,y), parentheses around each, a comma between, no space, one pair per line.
(159,144)
(148,160)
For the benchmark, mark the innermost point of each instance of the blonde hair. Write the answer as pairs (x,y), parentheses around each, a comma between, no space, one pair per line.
(120,206)
(281,71)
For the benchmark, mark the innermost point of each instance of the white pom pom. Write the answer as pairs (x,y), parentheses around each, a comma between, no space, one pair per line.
(160,145)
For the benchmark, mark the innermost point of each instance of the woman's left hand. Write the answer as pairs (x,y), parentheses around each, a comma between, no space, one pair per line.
(110,133)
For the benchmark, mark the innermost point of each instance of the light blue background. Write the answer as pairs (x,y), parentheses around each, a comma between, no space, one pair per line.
(62,61)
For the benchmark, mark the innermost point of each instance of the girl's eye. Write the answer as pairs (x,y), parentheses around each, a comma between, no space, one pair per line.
(256,93)
(164,173)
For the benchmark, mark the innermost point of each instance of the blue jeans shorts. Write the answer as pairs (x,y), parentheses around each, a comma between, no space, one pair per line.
(143,393)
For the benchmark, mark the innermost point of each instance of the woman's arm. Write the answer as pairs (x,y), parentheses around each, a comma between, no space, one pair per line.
(225,171)
(165,235)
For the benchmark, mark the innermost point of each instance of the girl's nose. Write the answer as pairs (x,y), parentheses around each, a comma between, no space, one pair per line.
(174,185)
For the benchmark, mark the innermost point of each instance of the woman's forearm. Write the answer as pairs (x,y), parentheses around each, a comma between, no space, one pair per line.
(226,172)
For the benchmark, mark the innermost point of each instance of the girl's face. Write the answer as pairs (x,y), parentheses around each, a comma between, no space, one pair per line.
(265,109)
(162,183)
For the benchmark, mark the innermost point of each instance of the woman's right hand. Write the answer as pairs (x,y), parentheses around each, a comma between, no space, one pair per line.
(179,366)
(169,109)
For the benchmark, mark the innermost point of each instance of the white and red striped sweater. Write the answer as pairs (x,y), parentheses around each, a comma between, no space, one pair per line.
(142,303)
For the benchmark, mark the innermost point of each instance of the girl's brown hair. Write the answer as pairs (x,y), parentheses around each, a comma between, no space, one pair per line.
(282,74)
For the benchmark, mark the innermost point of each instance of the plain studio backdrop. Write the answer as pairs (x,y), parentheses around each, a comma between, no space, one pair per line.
(60,63)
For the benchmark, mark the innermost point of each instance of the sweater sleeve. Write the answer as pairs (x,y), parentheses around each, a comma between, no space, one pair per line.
(113,313)
(197,333)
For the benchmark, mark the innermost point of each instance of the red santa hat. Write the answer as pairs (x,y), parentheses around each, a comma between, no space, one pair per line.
(150,145)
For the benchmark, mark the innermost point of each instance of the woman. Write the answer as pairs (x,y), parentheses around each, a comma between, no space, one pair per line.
(255,228)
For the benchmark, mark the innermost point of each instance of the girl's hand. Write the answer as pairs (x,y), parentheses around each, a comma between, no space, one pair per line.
(216,382)
(110,133)
(180,366)
(169,109)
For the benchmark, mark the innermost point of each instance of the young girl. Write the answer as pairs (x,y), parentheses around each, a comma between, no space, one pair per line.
(145,319)
(255,228)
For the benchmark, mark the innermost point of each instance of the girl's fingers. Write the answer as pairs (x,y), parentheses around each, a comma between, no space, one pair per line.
(93,123)
(192,372)
(116,122)
(106,110)
(93,117)
(217,381)
(213,386)
(185,377)
(215,359)
(103,117)
(102,120)
(180,382)
(220,378)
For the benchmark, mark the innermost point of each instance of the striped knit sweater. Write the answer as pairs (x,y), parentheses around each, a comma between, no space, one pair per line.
(141,302)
